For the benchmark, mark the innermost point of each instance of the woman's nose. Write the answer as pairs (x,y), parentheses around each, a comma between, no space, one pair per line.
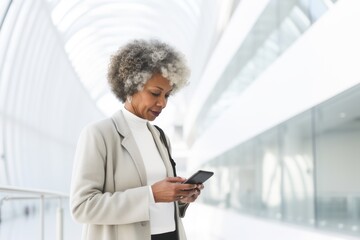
(162,102)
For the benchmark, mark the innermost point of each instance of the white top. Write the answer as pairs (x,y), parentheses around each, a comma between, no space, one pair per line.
(161,214)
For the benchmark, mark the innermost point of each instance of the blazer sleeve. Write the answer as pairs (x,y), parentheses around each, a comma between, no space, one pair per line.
(88,201)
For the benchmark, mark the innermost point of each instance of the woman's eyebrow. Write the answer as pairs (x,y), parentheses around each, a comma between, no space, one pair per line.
(162,89)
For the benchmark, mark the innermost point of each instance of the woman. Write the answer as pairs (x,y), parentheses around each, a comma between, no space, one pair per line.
(123,184)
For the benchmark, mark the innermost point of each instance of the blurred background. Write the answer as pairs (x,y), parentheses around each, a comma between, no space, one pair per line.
(272,108)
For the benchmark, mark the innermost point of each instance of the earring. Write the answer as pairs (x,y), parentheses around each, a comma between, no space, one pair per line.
(129,98)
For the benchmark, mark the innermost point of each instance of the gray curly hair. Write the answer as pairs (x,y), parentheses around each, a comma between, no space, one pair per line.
(135,63)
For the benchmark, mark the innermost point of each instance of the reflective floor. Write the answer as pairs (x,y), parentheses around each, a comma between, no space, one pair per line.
(217,223)
(29,227)
(201,222)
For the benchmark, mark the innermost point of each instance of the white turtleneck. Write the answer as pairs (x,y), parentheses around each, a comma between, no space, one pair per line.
(161,214)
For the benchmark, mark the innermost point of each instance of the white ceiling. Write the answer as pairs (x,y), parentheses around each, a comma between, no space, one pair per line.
(93,29)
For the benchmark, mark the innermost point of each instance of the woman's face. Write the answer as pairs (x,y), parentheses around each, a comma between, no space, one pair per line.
(149,102)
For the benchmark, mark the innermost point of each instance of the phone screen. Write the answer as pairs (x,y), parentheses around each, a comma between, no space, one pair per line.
(199,177)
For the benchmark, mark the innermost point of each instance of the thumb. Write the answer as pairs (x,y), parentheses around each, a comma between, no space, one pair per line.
(176,179)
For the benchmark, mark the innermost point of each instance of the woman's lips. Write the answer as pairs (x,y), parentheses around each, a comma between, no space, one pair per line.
(156,113)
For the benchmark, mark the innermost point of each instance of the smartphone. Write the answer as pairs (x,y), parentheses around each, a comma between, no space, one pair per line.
(199,177)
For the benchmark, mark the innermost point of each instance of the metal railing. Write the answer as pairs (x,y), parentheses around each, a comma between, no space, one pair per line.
(15,193)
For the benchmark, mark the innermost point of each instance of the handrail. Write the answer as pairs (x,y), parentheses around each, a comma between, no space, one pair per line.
(37,194)
(11,189)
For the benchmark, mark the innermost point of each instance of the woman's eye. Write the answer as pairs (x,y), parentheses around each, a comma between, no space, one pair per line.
(155,94)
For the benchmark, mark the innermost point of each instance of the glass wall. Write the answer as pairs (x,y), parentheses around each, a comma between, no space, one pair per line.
(303,171)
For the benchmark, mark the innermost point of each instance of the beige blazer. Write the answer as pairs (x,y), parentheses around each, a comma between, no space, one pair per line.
(109,192)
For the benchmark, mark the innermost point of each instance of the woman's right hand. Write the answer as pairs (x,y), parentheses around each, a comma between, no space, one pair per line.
(171,189)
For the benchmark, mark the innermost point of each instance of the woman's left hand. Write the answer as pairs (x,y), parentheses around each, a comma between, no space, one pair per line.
(193,197)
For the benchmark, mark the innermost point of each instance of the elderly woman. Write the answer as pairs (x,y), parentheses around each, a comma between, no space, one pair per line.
(124,184)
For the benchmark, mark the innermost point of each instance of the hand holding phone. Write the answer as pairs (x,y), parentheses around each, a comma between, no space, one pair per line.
(199,177)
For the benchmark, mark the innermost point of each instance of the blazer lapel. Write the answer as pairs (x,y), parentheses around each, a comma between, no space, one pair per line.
(130,145)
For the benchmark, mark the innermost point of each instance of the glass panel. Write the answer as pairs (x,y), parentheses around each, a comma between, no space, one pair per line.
(298,170)
(211,193)
(269,177)
(338,162)
(317,9)
(4,6)
(223,179)
(2,156)
(243,179)
(229,181)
